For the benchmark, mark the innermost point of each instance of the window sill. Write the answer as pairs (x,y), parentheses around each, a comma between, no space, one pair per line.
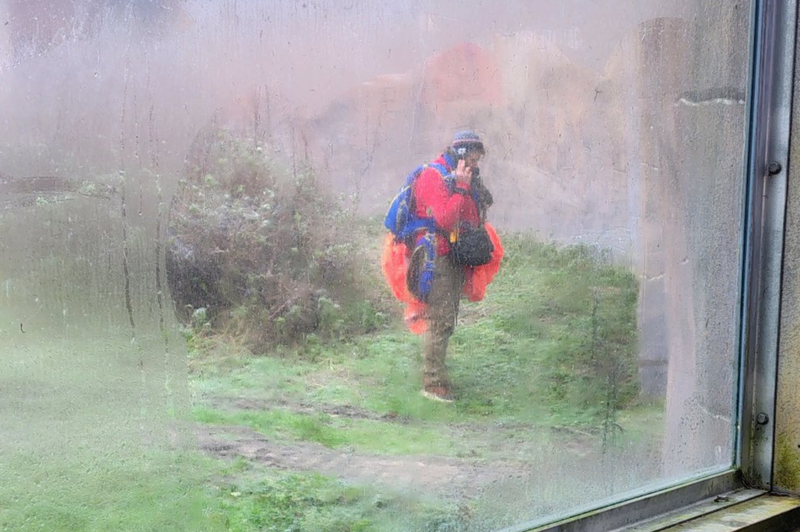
(754,511)
(716,503)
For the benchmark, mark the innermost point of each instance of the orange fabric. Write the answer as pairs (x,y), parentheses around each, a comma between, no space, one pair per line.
(394,264)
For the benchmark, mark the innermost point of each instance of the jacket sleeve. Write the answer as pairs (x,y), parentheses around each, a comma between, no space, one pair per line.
(433,199)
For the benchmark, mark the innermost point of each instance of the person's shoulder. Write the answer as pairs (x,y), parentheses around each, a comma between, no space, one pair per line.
(429,180)
(432,171)
(438,166)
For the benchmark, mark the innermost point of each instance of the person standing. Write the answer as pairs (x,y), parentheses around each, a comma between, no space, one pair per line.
(456,202)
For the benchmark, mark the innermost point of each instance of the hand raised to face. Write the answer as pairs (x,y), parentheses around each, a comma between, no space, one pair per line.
(467,167)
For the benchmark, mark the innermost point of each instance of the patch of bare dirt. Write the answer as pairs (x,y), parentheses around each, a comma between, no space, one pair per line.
(441,475)
(343,411)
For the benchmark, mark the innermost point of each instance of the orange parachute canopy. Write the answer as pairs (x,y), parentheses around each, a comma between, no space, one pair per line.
(394,264)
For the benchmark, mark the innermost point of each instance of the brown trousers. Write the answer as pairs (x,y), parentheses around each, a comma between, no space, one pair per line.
(443,299)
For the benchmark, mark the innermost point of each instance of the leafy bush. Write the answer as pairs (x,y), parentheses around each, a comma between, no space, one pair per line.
(268,255)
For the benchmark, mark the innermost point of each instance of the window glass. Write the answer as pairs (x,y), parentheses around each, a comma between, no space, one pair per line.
(205,324)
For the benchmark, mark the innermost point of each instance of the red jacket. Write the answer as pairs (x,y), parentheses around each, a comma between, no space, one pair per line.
(434,200)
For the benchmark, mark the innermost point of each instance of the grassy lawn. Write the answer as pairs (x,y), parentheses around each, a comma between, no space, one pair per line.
(90,441)
(264,499)
(92,490)
(100,421)
(529,353)
(546,362)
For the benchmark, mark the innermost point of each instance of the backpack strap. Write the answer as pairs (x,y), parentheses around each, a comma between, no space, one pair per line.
(439,168)
(406,227)
(419,223)
(429,223)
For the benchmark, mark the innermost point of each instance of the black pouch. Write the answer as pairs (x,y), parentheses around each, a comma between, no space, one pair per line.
(473,247)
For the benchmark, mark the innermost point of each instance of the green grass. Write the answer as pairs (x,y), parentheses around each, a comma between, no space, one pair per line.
(365,435)
(546,361)
(96,492)
(552,344)
(267,500)
(85,440)
(89,444)
(93,433)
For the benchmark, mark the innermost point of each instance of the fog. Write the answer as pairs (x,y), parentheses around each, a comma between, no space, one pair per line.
(617,125)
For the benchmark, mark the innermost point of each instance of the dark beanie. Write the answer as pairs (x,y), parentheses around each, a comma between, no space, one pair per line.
(465,141)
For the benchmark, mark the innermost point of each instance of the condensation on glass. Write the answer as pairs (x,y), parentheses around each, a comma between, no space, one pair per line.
(614,132)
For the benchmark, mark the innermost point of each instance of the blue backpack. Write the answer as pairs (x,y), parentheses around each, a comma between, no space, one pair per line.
(401,219)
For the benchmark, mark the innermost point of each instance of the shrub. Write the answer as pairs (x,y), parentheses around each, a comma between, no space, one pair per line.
(267,253)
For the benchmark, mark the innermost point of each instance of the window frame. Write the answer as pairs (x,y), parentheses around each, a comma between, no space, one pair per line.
(774,33)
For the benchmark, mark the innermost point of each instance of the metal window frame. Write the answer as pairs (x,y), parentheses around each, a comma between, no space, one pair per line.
(772,59)
(772,75)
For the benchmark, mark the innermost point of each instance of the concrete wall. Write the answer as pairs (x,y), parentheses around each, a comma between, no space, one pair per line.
(691,91)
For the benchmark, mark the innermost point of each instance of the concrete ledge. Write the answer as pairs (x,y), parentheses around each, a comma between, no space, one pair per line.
(761,513)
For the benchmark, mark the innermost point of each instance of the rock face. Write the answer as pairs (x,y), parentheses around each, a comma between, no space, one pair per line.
(554,164)
(464,74)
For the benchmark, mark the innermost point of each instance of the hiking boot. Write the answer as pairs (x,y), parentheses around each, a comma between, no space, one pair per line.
(438,393)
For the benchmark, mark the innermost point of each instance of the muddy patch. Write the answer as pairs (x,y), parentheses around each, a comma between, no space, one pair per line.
(441,475)
(341,411)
